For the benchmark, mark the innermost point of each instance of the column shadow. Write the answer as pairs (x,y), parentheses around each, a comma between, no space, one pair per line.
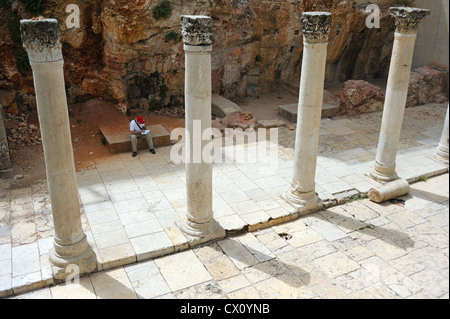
(270,265)
(390,236)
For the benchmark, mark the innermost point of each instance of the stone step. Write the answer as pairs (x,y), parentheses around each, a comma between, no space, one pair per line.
(117,136)
(289,111)
(221,106)
(293,87)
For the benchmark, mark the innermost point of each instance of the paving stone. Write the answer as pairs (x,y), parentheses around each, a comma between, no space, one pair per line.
(284,286)
(152,245)
(234,283)
(221,267)
(115,256)
(328,231)
(36,294)
(111,238)
(5,251)
(245,293)
(82,289)
(150,286)
(27,281)
(179,240)
(25,259)
(113,284)
(336,264)
(238,254)
(182,275)
(305,237)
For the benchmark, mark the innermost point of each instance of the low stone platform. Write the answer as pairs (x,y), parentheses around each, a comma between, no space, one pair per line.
(221,106)
(117,136)
(289,111)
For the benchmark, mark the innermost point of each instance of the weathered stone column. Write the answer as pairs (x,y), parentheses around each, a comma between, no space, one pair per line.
(441,153)
(199,225)
(302,194)
(407,22)
(41,39)
(389,190)
(5,161)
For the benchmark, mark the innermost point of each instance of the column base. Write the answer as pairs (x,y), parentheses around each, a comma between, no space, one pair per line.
(72,261)
(200,233)
(303,204)
(441,156)
(382,174)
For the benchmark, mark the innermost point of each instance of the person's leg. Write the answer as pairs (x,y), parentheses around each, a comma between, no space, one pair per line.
(150,143)
(133,138)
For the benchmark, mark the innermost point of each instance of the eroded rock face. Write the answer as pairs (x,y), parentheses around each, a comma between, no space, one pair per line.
(124,53)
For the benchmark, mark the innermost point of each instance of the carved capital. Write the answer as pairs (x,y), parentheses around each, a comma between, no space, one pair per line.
(41,39)
(407,19)
(316,26)
(196,30)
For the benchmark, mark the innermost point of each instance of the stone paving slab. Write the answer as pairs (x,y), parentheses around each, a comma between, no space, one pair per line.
(131,206)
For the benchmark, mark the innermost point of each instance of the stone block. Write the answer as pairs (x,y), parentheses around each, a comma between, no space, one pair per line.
(119,141)
(221,106)
(289,111)
(271,123)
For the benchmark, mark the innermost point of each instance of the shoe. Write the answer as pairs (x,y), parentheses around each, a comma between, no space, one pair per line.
(134,154)
(152,151)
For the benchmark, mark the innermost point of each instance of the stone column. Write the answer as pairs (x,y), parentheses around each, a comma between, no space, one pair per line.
(441,153)
(407,22)
(199,225)
(5,161)
(41,39)
(302,195)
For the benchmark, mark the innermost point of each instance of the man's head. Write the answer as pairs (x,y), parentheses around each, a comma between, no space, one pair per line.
(140,120)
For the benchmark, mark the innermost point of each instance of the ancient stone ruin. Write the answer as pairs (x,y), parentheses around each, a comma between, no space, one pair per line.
(250,57)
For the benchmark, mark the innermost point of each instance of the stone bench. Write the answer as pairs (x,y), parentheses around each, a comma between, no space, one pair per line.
(289,111)
(221,106)
(117,137)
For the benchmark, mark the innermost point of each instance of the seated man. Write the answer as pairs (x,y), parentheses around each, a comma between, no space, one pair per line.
(137,130)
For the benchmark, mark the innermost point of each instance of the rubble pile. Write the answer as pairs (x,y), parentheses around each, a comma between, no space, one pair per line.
(177,112)
(20,133)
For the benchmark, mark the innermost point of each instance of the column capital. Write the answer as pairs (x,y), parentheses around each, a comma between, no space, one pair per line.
(316,26)
(407,19)
(41,39)
(196,29)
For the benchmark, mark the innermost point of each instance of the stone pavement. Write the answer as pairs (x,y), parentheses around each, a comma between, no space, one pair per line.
(361,249)
(357,250)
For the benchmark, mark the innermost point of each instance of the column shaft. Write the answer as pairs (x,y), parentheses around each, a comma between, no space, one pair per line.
(199,225)
(302,193)
(407,21)
(394,107)
(41,39)
(441,153)
(198,119)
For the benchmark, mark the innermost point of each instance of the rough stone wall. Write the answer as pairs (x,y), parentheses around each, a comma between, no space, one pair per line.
(125,54)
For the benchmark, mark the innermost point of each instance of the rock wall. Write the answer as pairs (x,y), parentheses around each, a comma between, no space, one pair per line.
(131,52)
